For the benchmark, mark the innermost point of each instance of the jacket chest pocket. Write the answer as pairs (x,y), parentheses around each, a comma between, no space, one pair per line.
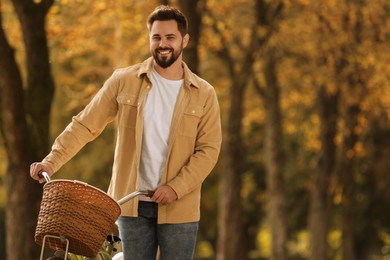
(127,110)
(190,121)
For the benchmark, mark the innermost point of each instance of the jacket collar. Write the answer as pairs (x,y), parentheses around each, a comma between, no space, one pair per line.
(189,77)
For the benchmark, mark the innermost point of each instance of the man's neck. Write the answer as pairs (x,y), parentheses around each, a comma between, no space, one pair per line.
(173,72)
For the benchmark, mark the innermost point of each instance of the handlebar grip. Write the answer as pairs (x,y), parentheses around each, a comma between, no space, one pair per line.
(44,175)
(150,193)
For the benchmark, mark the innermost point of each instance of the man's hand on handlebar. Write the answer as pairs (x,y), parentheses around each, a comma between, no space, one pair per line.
(36,168)
(164,195)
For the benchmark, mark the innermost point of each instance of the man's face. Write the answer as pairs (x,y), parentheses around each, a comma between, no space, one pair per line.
(166,42)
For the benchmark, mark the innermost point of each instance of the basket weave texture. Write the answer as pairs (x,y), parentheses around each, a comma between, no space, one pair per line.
(81,213)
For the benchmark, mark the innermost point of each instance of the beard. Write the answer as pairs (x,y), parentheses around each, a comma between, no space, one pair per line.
(166,61)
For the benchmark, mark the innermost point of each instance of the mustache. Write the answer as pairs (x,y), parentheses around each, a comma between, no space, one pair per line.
(164,49)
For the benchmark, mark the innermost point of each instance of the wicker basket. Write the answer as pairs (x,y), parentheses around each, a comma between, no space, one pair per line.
(83,214)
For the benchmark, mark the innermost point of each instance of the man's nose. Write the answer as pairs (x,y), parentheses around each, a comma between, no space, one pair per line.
(162,43)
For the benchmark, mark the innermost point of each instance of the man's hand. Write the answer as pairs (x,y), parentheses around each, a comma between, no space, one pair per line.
(36,168)
(164,195)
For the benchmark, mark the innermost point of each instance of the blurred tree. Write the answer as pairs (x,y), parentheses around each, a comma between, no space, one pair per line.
(89,41)
(25,114)
(236,53)
(327,110)
(275,159)
(321,177)
(345,45)
(268,16)
(194,11)
(352,26)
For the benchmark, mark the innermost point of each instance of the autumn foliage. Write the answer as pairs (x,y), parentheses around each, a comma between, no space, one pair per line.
(304,89)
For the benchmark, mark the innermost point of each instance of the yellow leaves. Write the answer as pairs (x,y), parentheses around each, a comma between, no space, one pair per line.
(290,128)
(11,25)
(359,149)
(254,115)
(220,25)
(334,239)
(249,186)
(100,6)
(324,51)
(303,2)
(300,245)
(264,241)
(261,31)
(385,236)
(204,249)
(55,9)
(311,130)
(361,126)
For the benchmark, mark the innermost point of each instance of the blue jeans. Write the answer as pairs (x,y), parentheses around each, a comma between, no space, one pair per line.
(142,235)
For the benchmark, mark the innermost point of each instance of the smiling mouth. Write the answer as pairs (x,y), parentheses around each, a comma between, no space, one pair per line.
(164,52)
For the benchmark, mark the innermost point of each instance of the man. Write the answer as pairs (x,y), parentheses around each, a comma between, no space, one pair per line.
(168,140)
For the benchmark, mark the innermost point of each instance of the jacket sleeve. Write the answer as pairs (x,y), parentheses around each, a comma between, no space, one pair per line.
(85,126)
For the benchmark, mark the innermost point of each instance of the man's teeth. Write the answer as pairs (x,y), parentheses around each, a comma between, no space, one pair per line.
(164,52)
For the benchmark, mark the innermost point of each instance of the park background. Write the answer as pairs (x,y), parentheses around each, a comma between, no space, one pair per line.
(305,101)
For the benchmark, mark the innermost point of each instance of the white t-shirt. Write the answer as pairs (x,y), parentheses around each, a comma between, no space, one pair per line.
(159,105)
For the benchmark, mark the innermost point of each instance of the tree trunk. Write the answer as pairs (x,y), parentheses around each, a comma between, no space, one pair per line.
(231,239)
(164,2)
(25,128)
(3,251)
(274,161)
(20,213)
(320,196)
(230,234)
(40,85)
(348,165)
(193,10)
(346,176)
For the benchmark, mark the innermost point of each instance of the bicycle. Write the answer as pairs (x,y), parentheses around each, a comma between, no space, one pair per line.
(77,220)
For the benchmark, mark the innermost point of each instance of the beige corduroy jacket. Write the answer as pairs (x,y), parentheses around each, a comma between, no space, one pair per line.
(194,142)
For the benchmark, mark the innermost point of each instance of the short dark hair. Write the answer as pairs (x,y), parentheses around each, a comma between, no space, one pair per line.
(166,13)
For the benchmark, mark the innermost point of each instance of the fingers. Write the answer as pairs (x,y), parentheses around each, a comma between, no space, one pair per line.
(164,195)
(33,172)
(36,168)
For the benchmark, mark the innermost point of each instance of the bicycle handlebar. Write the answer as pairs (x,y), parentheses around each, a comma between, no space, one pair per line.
(134,194)
(44,175)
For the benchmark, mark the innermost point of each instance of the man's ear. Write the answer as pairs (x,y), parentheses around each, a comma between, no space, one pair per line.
(186,39)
